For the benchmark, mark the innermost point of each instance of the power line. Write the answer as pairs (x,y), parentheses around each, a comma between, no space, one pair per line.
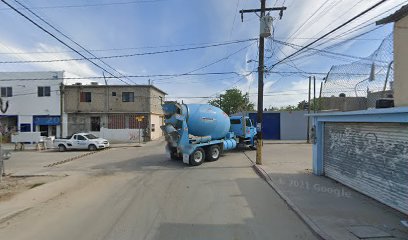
(127,48)
(308,19)
(320,50)
(243,75)
(210,64)
(335,20)
(128,55)
(364,24)
(59,40)
(95,4)
(69,38)
(133,76)
(330,32)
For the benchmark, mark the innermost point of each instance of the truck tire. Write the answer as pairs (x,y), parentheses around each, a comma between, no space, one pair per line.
(253,147)
(92,147)
(174,155)
(197,157)
(213,153)
(62,148)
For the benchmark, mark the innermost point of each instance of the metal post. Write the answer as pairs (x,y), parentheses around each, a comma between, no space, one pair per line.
(314,94)
(308,111)
(62,110)
(140,130)
(320,97)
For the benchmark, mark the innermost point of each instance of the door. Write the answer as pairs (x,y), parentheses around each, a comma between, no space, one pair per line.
(80,142)
(371,158)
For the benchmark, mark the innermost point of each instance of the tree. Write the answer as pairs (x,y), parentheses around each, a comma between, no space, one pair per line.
(233,101)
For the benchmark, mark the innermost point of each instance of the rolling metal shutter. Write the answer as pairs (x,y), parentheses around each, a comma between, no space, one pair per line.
(371,158)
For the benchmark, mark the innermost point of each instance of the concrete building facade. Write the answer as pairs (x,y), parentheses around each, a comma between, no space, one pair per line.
(119,113)
(400,20)
(34,102)
(367,150)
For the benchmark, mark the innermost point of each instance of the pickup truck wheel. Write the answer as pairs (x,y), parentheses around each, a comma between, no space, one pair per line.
(61,148)
(92,147)
(197,157)
(213,153)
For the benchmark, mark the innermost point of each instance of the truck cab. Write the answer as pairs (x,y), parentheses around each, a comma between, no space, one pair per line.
(244,130)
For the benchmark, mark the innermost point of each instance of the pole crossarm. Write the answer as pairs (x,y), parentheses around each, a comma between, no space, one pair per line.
(259,10)
(281,9)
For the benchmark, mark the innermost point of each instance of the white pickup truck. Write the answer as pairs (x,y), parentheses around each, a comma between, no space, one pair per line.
(81,141)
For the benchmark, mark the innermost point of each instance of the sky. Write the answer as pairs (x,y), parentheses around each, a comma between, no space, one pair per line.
(185,32)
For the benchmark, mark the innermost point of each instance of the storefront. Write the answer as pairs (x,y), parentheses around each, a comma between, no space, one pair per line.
(47,125)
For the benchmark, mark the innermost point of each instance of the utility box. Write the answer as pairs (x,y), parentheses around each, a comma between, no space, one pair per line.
(266,26)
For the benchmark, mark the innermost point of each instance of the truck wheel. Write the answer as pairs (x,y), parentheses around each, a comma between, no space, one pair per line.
(92,147)
(61,148)
(174,155)
(197,157)
(213,153)
(253,147)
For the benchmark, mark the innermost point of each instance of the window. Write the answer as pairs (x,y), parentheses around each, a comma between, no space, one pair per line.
(44,91)
(91,136)
(235,121)
(95,124)
(85,97)
(81,138)
(248,122)
(153,127)
(113,94)
(6,92)
(128,97)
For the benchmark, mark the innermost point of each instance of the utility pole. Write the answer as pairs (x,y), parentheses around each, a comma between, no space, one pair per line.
(308,111)
(61,88)
(261,69)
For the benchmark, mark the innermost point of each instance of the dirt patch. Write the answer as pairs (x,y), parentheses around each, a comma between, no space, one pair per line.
(11,186)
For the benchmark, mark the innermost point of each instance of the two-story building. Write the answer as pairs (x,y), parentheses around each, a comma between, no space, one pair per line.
(119,113)
(34,102)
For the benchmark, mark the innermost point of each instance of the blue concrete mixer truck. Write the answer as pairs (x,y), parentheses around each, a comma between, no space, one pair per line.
(198,132)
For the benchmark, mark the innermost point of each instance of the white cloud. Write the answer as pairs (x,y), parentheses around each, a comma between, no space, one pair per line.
(73,69)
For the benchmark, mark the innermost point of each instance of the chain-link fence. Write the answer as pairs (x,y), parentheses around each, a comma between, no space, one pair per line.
(358,85)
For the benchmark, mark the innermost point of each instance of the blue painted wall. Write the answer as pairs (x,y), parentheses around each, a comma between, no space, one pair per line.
(271,125)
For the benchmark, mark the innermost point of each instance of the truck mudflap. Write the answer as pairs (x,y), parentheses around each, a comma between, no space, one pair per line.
(186,158)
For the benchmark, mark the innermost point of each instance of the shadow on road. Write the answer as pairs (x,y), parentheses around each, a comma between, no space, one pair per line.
(255,213)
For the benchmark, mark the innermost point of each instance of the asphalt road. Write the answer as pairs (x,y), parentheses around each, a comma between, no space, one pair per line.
(138,193)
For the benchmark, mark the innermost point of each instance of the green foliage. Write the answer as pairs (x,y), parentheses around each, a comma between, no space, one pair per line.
(233,101)
(303,105)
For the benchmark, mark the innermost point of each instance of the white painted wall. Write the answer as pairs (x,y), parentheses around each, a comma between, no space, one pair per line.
(120,135)
(293,125)
(25,102)
(158,122)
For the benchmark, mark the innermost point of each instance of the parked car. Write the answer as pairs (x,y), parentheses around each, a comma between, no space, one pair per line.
(81,141)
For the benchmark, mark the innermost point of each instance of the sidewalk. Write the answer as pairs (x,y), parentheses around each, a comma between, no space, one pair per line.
(331,209)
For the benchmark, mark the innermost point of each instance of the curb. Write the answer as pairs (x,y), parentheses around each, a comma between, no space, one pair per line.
(309,222)
(7,217)
(75,158)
